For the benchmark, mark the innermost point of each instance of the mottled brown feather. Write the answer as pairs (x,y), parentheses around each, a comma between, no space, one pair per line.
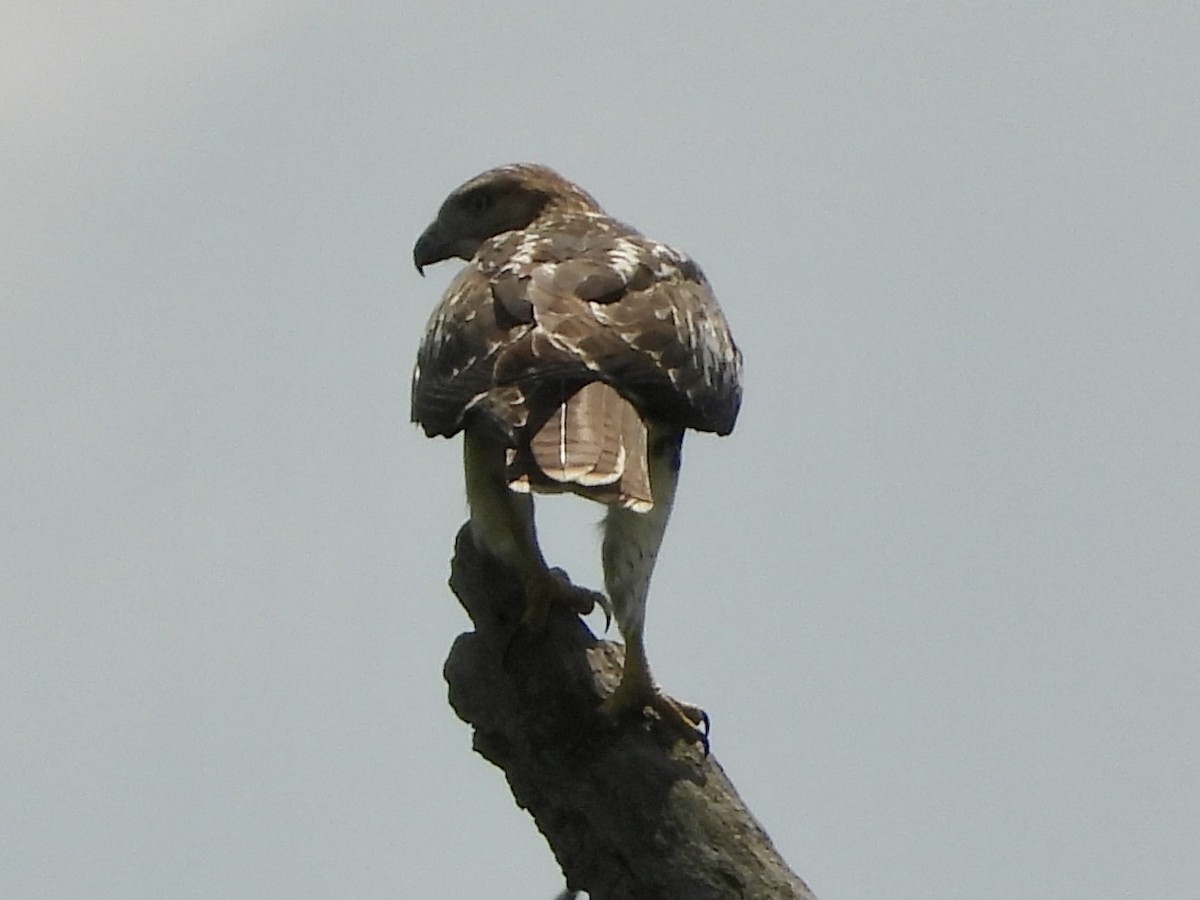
(547,308)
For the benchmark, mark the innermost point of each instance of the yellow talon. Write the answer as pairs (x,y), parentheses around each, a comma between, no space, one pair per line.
(548,587)
(637,692)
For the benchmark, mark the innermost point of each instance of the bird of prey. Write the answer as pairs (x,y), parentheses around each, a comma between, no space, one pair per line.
(572,352)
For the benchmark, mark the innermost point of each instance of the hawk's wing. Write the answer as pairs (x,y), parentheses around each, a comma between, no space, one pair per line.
(536,315)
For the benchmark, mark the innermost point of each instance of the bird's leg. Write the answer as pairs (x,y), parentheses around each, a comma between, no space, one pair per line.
(637,691)
(546,587)
(502,523)
(631,543)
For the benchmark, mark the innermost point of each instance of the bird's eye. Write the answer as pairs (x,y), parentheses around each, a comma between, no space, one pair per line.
(477,202)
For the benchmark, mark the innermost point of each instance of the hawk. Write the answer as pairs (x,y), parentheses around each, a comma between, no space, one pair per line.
(572,353)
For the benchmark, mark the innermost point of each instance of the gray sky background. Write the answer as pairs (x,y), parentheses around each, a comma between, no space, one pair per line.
(938,591)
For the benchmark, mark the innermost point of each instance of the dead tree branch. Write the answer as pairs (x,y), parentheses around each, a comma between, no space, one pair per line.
(629,814)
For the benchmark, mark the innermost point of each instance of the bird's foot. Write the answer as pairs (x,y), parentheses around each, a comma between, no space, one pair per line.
(684,720)
(547,588)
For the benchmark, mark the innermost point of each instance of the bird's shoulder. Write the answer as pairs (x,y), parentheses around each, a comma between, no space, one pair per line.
(588,296)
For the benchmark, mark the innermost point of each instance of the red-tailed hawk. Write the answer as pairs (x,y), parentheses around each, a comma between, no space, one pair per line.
(572,352)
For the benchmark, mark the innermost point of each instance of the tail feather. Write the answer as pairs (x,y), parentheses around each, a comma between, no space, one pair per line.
(594,445)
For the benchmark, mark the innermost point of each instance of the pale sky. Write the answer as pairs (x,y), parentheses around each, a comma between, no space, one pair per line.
(938,590)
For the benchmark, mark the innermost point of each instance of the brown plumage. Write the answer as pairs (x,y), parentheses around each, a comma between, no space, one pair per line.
(593,445)
(573,352)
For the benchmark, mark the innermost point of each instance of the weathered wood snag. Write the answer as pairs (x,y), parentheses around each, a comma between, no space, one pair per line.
(630,813)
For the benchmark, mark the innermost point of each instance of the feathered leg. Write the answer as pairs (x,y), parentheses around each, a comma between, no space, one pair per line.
(630,549)
(502,524)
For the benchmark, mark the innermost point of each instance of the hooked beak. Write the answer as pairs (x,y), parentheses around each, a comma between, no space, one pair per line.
(430,248)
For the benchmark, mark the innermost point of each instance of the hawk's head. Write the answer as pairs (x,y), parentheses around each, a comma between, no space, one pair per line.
(508,198)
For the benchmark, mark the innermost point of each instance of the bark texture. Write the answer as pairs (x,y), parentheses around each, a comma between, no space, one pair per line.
(629,812)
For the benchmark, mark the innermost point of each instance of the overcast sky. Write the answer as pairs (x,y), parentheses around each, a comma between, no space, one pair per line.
(938,590)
